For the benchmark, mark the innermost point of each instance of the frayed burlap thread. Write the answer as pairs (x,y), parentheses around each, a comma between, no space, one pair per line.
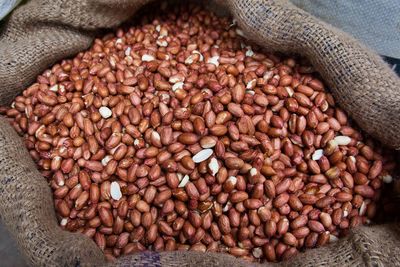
(41,33)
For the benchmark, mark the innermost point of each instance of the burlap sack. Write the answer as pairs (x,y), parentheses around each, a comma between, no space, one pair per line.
(355,17)
(40,33)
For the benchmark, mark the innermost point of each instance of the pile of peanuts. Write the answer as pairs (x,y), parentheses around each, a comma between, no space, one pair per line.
(179,135)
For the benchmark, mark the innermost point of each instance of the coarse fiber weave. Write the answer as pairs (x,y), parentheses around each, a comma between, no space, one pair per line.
(40,33)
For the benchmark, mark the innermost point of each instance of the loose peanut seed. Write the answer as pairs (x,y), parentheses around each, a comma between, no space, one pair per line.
(173,136)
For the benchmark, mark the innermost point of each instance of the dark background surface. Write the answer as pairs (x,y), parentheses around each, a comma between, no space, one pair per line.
(394,62)
(9,254)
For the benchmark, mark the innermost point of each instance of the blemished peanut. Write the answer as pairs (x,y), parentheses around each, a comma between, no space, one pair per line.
(181,135)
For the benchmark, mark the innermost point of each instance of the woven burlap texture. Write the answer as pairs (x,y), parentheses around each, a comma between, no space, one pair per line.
(40,33)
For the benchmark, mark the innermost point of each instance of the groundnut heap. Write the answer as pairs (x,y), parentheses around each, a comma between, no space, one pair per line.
(178,135)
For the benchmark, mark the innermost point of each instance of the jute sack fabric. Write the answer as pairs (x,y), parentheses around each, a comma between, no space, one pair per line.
(40,33)
(375,22)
